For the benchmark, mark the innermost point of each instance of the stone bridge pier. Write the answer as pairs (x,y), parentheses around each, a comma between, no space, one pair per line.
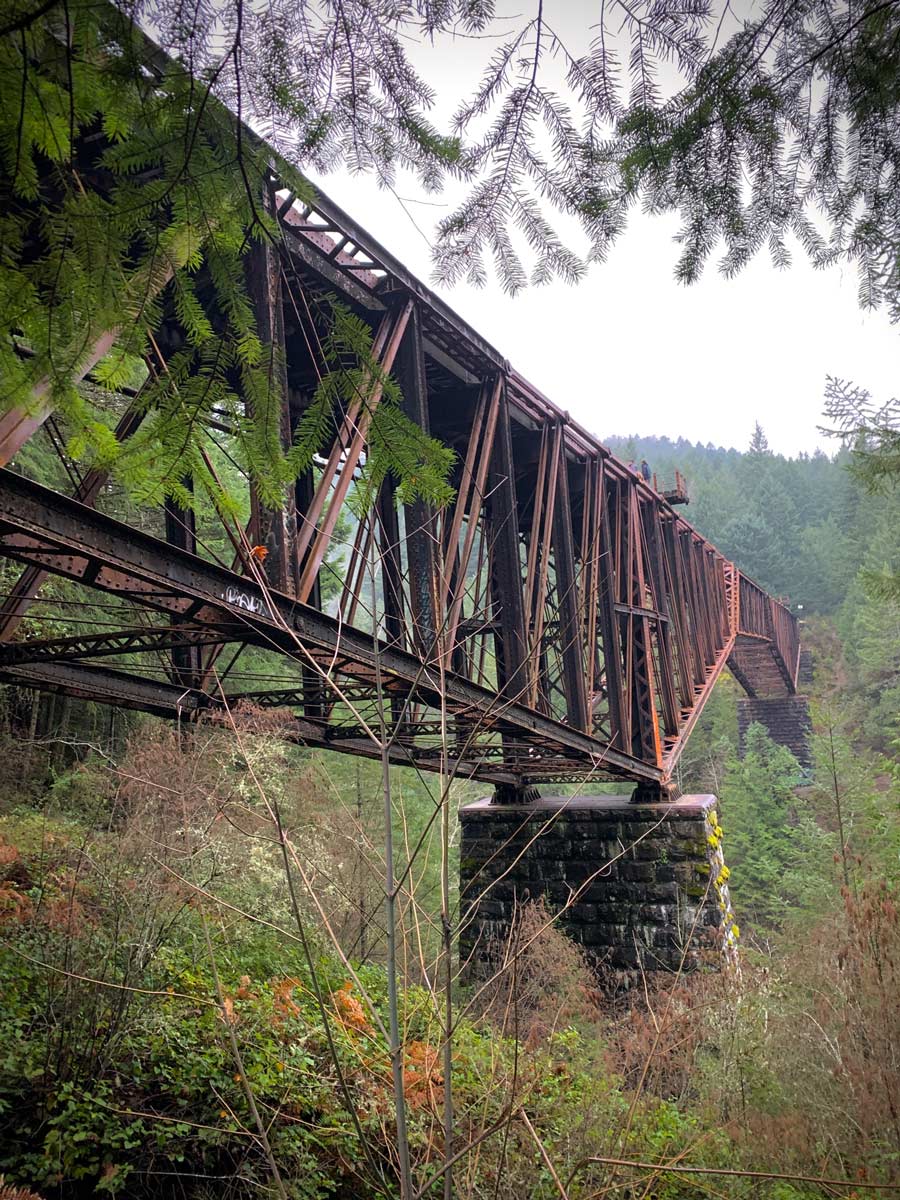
(775,697)
(786,719)
(637,886)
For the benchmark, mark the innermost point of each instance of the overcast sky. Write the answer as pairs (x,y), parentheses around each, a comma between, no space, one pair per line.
(629,350)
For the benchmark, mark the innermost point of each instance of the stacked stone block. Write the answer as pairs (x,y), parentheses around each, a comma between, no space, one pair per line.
(785,718)
(637,886)
(805,671)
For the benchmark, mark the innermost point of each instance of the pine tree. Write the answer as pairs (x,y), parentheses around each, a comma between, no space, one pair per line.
(872,434)
(758,813)
(759,443)
(870,623)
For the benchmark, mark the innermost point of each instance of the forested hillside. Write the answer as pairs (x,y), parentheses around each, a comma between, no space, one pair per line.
(800,526)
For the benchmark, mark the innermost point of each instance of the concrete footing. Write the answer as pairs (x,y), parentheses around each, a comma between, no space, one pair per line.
(637,886)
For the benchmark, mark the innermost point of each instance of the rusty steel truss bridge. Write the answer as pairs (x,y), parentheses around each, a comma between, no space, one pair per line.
(558,621)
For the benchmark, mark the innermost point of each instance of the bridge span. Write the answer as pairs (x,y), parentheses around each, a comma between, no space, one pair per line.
(558,621)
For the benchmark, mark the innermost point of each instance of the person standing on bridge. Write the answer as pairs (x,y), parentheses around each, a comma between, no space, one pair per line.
(645,470)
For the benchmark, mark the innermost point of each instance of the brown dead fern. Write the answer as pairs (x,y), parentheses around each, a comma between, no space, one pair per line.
(12,1191)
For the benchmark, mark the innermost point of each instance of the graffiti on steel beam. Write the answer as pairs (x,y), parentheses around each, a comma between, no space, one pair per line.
(243,600)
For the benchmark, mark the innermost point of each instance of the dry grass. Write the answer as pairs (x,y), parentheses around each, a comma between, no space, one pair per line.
(542,981)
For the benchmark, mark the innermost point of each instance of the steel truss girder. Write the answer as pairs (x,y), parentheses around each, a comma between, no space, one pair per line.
(85,681)
(41,527)
(101,645)
(622,620)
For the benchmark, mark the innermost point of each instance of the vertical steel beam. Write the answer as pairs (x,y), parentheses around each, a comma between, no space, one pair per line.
(539,555)
(181,531)
(588,598)
(567,599)
(701,562)
(659,592)
(507,602)
(274,529)
(537,545)
(181,525)
(304,488)
(418,518)
(691,601)
(609,623)
(390,564)
(506,583)
(470,503)
(346,453)
(645,720)
(387,532)
(678,616)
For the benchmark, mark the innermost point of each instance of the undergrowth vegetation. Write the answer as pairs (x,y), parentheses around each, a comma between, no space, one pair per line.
(143,1012)
(195,1002)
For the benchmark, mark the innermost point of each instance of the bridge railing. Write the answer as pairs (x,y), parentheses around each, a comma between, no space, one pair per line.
(786,636)
(755,613)
(762,616)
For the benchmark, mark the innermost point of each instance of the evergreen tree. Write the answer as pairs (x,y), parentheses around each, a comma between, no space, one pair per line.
(759,815)
(872,433)
(870,622)
(174,200)
(750,541)
(759,443)
(826,564)
(855,795)
(805,527)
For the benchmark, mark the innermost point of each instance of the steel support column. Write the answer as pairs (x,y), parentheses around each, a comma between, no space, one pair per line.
(273,529)
(567,600)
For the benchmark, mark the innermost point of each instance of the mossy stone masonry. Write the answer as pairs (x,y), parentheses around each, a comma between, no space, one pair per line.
(637,886)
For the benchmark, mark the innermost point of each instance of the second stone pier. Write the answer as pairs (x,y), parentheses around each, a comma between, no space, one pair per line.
(637,886)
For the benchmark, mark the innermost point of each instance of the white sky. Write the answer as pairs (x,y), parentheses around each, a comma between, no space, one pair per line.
(629,350)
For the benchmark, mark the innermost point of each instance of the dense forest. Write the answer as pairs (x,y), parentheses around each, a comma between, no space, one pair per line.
(193,925)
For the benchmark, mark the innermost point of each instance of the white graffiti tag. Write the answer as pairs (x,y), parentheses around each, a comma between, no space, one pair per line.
(251,604)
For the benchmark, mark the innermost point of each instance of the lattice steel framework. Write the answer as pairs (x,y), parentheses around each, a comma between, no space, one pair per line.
(560,620)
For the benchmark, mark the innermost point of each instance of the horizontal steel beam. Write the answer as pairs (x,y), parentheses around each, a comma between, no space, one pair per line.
(84,681)
(126,641)
(103,686)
